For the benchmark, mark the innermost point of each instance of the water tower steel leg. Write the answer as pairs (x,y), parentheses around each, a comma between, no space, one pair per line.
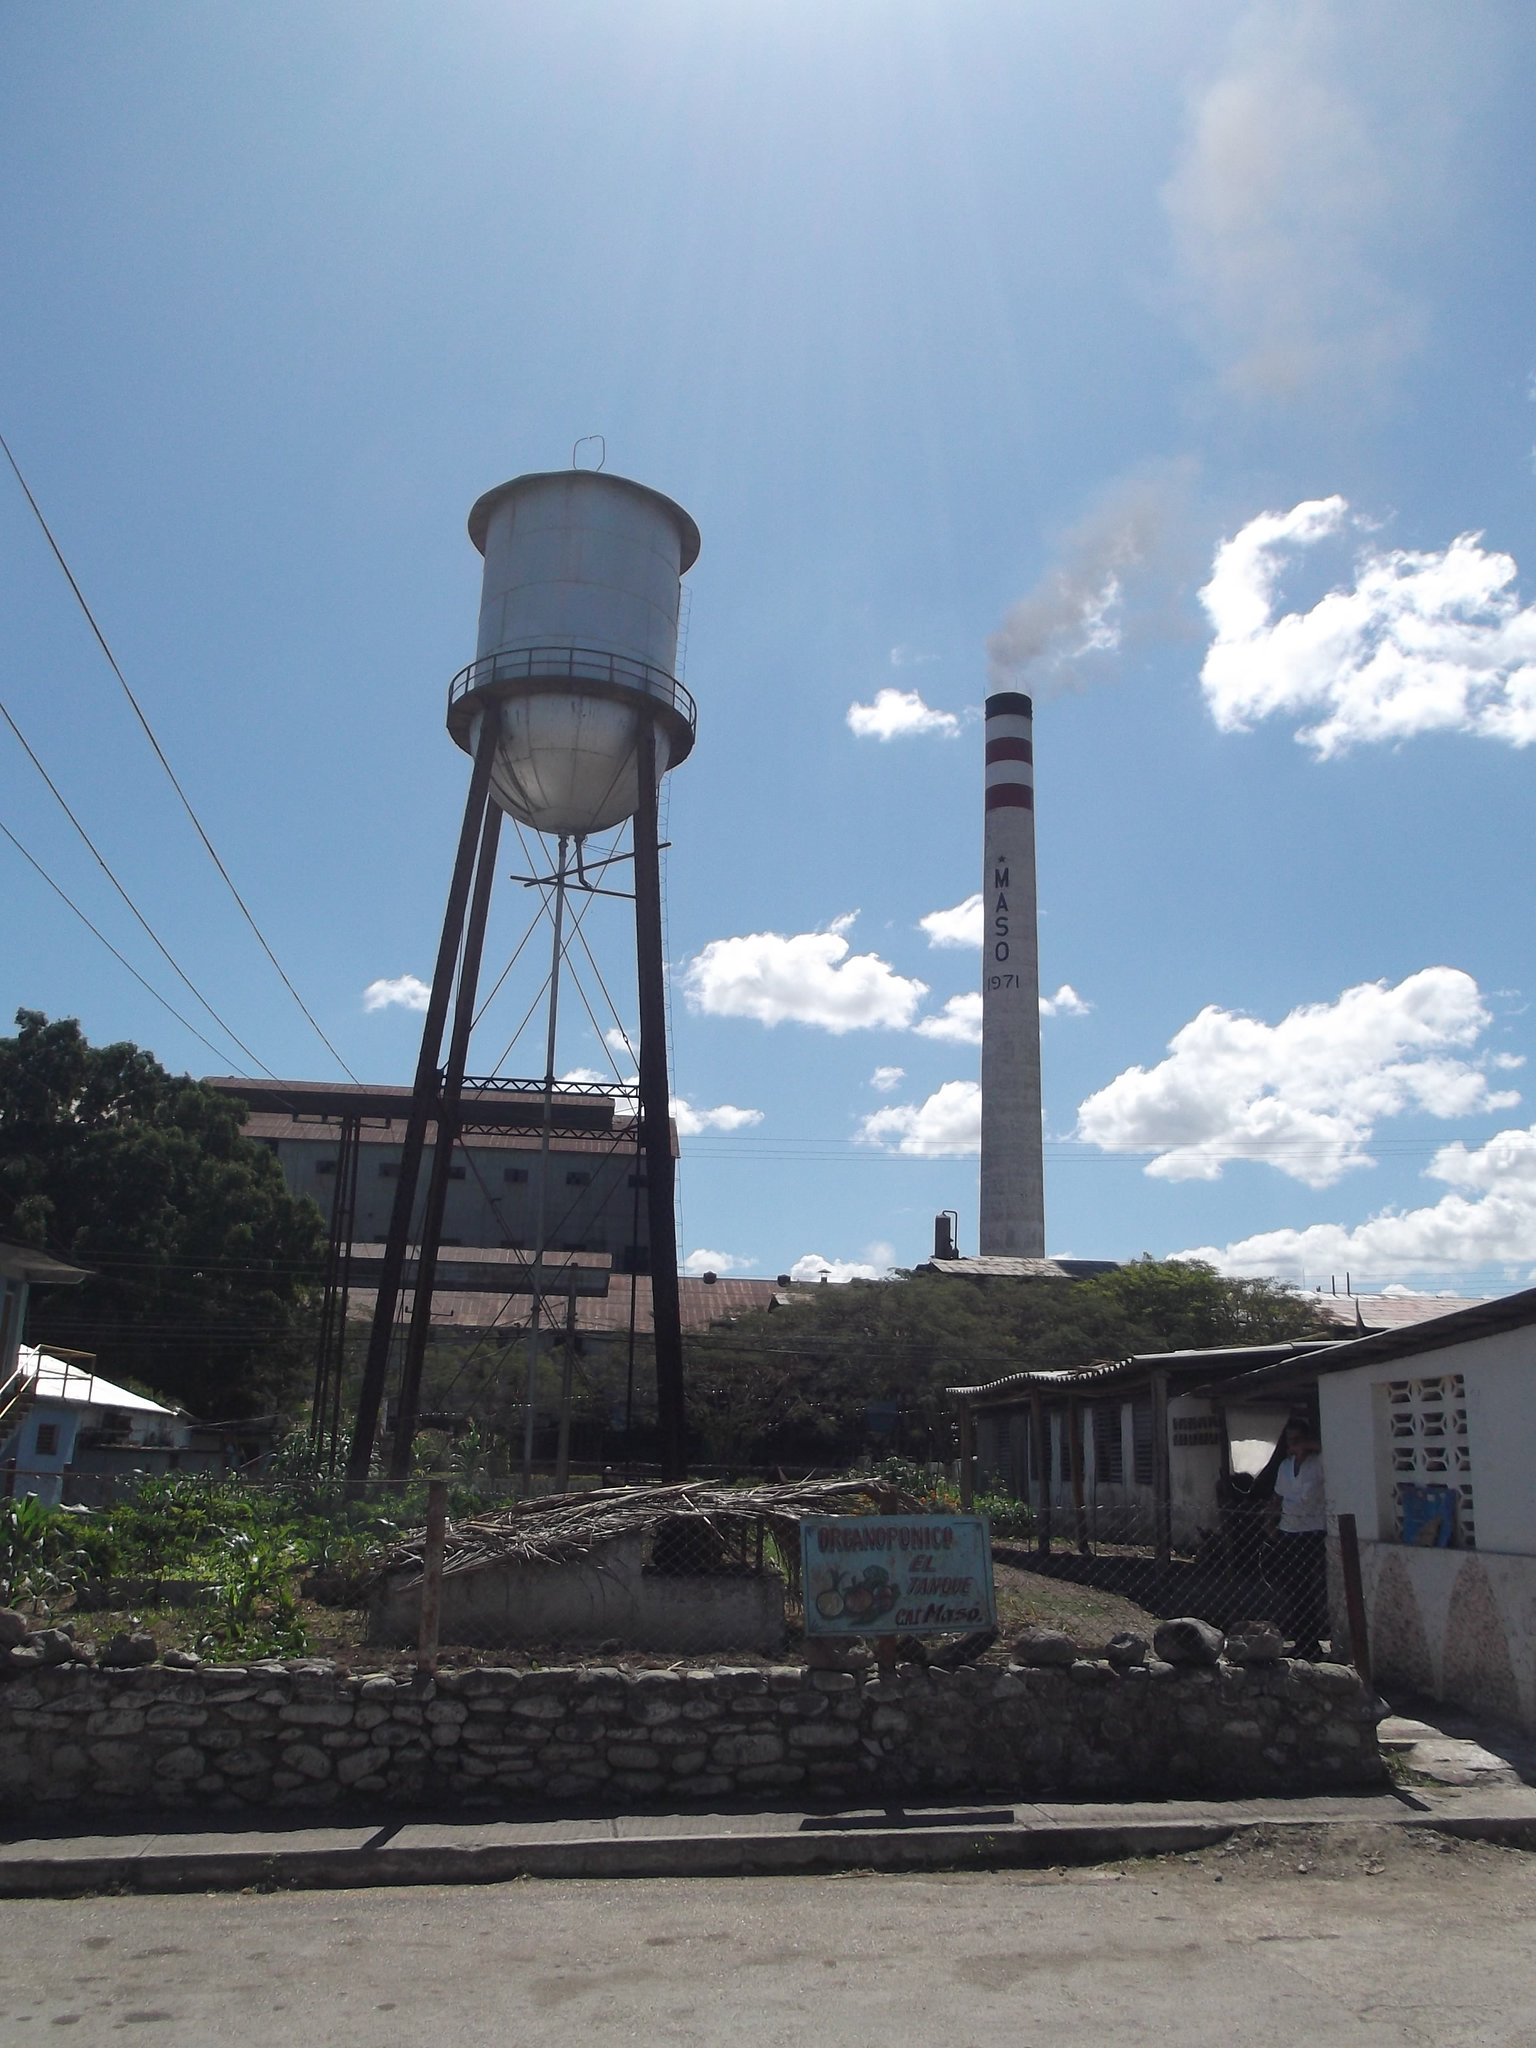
(655,1118)
(423,1103)
(431,1233)
(541,1209)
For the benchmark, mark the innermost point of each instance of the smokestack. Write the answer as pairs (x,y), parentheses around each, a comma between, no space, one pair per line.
(1012,1150)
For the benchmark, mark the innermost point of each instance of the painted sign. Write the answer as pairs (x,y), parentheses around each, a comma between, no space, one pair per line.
(884,1575)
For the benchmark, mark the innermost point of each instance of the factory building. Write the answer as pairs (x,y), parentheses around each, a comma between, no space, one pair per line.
(595,1199)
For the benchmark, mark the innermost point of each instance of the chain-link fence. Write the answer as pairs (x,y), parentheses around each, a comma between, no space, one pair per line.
(1112,1572)
(290,1565)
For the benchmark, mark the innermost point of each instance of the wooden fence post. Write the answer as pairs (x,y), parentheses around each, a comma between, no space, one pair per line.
(1354,1597)
(967,1457)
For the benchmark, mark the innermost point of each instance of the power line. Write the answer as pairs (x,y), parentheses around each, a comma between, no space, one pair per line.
(160,999)
(102,863)
(149,734)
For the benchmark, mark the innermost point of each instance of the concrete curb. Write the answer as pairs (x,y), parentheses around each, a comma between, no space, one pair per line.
(37,1869)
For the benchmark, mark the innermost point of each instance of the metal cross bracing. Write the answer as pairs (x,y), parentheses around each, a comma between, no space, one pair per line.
(443,1096)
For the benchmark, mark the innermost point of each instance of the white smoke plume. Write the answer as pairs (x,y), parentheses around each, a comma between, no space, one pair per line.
(1099,592)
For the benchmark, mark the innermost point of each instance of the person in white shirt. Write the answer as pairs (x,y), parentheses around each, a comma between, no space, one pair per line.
(1300,1564)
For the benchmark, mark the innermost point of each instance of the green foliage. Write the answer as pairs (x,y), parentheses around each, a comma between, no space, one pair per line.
(202,1261)
(258,1611)
(794,1385)
(1010,1519)
(39,1554)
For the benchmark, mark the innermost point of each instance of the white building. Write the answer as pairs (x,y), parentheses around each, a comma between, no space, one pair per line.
(1443,1417)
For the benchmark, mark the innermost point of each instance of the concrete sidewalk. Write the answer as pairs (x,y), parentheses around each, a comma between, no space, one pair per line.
(148,1856)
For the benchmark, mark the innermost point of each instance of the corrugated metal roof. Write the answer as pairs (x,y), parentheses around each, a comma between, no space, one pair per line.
(1110,1371)
(1490,1318)
(701,1303)
(1390,1311)
(267,1125)
(74,1386)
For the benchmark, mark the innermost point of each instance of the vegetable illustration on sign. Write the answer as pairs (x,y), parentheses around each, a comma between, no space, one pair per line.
(884,1575)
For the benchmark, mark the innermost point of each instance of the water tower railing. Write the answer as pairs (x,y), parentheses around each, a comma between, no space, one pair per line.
(519,668)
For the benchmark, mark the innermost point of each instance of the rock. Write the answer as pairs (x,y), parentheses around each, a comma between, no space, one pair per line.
(1125,1651)
(1043,1646)
(182,1660)
(25,1657)
(55,1645)
(1257,1642)
(1188,1641)
(14,1628)
(125,1651)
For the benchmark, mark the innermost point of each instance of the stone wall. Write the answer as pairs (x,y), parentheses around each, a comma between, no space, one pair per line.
(302,1734)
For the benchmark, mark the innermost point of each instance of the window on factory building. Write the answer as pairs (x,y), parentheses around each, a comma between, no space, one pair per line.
(325,1166)
(577,1180)
(47,1445)
(515,1176)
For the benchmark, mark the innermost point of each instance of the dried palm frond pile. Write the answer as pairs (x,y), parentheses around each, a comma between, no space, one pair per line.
(572,1525)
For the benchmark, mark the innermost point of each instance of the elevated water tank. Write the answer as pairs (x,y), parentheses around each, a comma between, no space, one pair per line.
(578,643)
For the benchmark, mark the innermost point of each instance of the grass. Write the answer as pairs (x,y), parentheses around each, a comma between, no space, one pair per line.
(1087,1614)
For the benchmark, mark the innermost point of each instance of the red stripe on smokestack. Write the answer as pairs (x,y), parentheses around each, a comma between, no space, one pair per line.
(1011,796)
(1009,750)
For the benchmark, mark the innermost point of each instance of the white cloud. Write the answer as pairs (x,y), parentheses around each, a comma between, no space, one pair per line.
(947,1124)
(813,1267)
(727,1117)
(958,927)
(1065,1003)
(909,657)
(959,1022)
(619,1042)
(1489,1219)
(884,1079)
(698,1263)
(899,714)
(585,1077)
(1422,642)
(1289,193)
(809,978)
(1304,1094)
(399,991)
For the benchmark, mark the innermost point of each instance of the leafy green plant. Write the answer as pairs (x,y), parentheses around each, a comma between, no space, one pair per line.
(39,1557)
(258,1612)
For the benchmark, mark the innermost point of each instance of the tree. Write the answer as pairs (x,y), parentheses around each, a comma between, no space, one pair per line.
(797,1385)
(201,1260)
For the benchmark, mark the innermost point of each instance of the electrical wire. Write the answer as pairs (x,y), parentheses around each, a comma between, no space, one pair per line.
(101,861)
(149,733)
(217,1051)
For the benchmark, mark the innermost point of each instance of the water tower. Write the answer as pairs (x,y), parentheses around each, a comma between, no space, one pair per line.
(571,714)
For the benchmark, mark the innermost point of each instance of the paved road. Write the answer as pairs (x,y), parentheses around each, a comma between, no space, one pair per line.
(1372,1941)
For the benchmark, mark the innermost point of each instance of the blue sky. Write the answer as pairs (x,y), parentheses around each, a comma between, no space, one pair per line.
(925,312)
